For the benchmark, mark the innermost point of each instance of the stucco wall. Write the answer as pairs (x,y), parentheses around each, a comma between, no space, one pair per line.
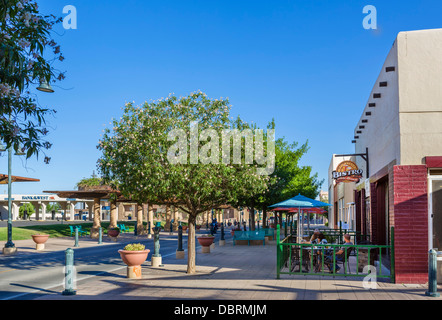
(420,94)
(381,132)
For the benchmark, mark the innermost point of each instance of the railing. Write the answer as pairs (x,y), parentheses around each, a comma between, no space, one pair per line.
(320,259)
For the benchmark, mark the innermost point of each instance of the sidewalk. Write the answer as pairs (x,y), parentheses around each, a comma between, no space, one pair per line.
(230,273)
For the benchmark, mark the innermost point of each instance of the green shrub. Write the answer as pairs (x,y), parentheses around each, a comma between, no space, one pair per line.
(134,247)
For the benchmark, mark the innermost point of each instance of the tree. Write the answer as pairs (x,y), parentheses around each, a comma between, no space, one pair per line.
(53,206)
(287,180)
(167,152)
(25,39)
(93,181)
(28,207)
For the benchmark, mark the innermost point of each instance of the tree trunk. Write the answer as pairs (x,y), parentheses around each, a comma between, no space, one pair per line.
(191,250)
(113,215)
(97,219)
(140,227)
(264,217)
(252,217)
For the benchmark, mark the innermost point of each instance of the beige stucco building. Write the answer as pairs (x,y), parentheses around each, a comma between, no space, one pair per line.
(401,128)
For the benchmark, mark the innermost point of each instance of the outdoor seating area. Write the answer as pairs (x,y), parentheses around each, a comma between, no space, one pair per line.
(335,259)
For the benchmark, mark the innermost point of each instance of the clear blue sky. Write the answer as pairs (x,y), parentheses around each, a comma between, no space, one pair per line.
(308,64)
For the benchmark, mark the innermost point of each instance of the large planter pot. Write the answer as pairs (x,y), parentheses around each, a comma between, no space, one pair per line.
(134,260)
(40,240)
(113,234)
(184,228)
(198,227)
(206,242)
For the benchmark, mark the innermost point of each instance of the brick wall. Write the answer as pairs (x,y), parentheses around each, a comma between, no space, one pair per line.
(410,219)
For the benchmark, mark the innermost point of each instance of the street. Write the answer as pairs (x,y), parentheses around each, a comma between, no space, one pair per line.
(28,275)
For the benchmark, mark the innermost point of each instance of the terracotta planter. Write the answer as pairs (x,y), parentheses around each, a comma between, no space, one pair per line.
(113,233)
(184,228)
(40,240)
(198,227)
(134,260)
(206,241)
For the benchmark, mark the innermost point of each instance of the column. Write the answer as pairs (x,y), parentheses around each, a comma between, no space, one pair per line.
(168,218)
(90,207)
(72,211)
(140,227)
(43,211)
(150,218)
(15,211)
(97,219)
(113,215)
(37,210)
(175,219)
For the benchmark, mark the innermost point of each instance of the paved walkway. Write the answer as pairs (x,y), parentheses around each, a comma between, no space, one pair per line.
(227,273)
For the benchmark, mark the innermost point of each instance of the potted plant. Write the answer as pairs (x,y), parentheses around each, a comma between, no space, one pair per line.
(232,232)
(184,228)
(40,240)
(206,240)
(113,233)
(133,255)
(198,226)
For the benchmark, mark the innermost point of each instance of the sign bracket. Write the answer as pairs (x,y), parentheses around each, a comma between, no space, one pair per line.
(362,155)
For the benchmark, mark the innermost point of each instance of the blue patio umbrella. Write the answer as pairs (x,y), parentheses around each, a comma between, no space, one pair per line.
(301,202)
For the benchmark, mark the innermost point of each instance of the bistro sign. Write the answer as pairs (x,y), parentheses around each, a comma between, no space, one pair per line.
(347,171)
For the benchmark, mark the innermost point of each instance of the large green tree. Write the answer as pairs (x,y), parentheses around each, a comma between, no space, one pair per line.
(168,152)
(27,55)
(288,179)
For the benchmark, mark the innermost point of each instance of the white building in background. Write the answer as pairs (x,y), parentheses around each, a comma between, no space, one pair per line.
(40,203)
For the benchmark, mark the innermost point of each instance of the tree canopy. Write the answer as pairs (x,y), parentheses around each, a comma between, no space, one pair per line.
(168,152)
(27,56)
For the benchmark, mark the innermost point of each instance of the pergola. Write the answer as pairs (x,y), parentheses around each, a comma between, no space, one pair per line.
(96,194)
(4,179)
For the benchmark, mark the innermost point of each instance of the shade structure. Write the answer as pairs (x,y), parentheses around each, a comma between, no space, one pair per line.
(4,179)
(308,210)
(302,204)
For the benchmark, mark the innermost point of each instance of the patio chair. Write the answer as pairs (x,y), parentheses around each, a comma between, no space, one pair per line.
(346,257)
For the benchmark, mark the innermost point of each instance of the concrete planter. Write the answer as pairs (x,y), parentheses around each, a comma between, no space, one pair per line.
(134,260)
(205,243)
(40,240)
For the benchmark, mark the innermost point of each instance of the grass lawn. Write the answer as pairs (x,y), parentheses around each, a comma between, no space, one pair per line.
(54,231)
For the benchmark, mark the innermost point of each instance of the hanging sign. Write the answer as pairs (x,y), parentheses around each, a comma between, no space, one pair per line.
(347,171)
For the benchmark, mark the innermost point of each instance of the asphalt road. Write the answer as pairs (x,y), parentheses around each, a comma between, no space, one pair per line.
(22,277)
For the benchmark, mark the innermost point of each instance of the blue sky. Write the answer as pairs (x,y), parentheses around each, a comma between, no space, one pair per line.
(308,64)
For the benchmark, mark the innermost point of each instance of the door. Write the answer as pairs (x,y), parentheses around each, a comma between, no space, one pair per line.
(435,211)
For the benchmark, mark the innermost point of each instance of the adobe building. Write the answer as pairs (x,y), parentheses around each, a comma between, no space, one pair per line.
(400,129)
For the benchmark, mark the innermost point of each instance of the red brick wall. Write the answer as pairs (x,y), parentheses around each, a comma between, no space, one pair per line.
(410,218)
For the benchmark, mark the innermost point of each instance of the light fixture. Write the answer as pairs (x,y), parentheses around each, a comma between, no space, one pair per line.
(20,152)
(45,87)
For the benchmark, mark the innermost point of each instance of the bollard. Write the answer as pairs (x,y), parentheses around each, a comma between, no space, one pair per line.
(156,257)
(76,238)
(222,241)
(100,235)
(135,230)
(432,274)
(171,227)
(69,274)
(180,251)
(149,234)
